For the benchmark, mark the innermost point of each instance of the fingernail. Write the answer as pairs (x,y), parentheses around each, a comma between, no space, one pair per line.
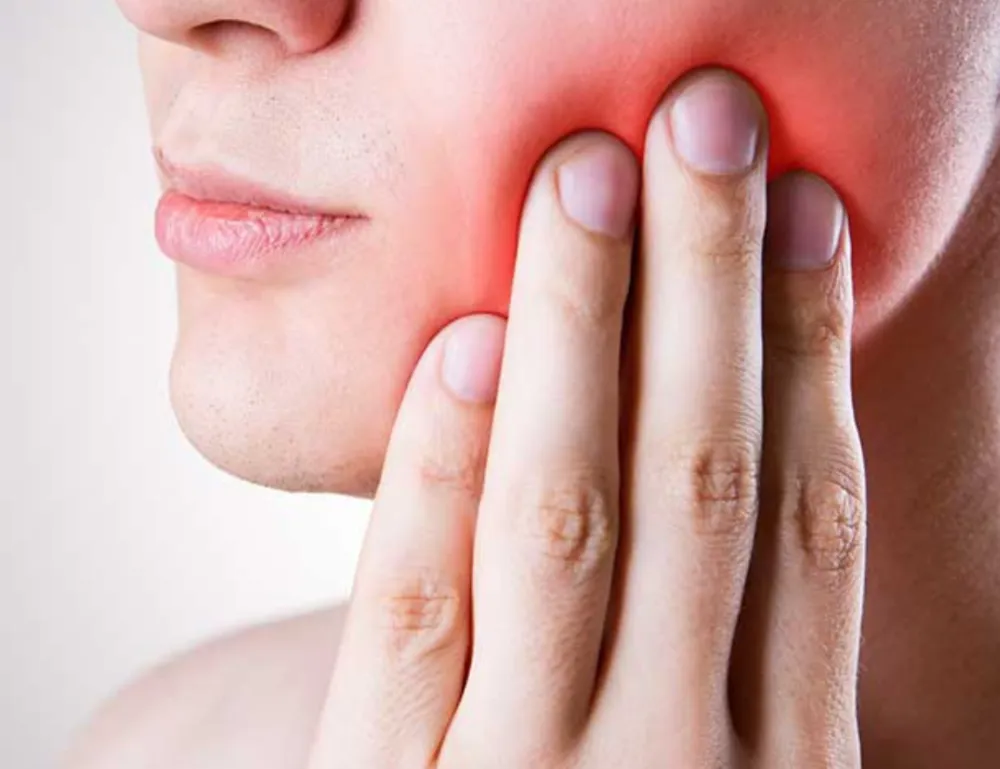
(470,365)
(716,124)
(599,188)
(804,221)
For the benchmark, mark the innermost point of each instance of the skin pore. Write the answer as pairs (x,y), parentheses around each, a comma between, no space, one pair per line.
(430,117)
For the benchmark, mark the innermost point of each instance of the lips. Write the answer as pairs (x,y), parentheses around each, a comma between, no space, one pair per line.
(218,223)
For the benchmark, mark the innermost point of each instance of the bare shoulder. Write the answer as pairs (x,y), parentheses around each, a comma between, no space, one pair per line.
(249,700)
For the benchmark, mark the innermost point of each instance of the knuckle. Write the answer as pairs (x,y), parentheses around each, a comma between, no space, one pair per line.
(736,256)
(811,332)
(797,325)
(419,614)
(453,470)
(588,288)
(730,226)
(571,520)
(729,206)
(583,308)
(829,513)
(720,487)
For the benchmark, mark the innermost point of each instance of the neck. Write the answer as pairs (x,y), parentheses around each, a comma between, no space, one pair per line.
(927,398)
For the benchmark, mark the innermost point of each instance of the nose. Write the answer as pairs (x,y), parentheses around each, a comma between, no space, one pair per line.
(302,26)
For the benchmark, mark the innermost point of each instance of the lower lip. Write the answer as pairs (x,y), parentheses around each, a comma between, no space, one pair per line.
(235,239)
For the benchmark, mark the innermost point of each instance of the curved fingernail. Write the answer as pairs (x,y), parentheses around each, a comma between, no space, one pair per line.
(804,222)
(470,363)
(599,188)
(716,123)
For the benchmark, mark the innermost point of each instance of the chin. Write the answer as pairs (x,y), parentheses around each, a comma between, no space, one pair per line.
(286,432)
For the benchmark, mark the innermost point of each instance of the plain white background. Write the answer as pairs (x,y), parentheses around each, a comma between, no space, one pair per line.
(119,544)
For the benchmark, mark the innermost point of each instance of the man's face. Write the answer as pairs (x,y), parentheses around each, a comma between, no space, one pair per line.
(428,117)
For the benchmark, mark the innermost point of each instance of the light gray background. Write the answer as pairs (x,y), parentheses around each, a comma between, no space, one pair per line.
(118,543)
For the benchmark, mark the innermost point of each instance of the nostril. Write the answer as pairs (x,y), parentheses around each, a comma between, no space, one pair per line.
(215,36)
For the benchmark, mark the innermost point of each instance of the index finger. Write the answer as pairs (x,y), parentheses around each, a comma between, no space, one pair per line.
(545,543)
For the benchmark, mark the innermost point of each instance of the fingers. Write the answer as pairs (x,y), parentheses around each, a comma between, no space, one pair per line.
(403,656)
(545,542)
(694,364)
(804,600)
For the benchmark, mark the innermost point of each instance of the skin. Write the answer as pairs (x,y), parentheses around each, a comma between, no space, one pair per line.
(923,204)
(560,549)
(437,142)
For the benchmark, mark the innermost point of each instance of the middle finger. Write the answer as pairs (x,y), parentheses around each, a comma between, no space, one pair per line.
(694,436)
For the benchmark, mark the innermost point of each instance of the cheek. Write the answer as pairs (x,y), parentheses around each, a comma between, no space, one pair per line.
(897,119)
(299,390)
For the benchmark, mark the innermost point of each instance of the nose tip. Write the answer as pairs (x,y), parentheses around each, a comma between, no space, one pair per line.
(302,26)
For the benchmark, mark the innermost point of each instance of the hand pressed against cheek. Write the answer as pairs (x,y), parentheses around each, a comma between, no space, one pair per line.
(431,118)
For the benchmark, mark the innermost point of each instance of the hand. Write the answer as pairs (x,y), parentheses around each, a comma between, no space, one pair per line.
(604,551)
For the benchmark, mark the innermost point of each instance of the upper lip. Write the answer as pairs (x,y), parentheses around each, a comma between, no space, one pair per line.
(215,184)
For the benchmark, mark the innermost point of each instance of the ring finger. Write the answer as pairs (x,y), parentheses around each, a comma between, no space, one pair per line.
(795,668)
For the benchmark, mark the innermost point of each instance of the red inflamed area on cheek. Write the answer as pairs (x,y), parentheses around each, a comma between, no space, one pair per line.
(431,118)
(850,90)
(800,137)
